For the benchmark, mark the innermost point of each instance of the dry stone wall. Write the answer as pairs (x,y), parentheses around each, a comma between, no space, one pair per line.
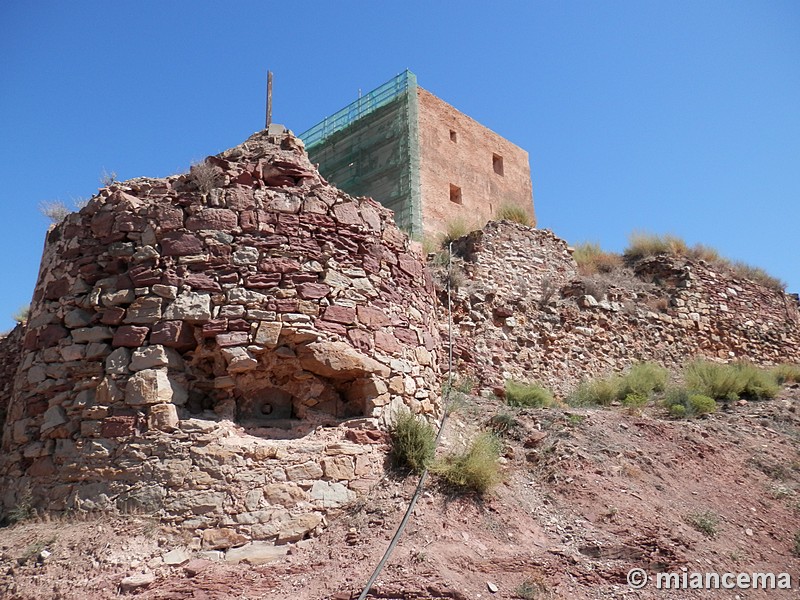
(10,352)
(220,348)
(524,312)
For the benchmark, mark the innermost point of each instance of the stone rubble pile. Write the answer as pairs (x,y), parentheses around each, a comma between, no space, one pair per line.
(220,348)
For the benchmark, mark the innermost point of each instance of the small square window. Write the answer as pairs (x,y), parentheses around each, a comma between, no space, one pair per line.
(455,194)
(453,135)
(497,163)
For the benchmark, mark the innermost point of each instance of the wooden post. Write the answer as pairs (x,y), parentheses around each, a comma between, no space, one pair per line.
(269,100)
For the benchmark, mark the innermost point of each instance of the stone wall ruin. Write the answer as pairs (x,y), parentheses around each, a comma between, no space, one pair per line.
(220,349)
(525,313)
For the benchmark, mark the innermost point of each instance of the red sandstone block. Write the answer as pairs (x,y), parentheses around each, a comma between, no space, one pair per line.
(130,336)
(113,316)
(56,289)
(372,317)
(169,218)
(386,342)
(173,334)
(180,244)
(347,214)
(129,222)
(285,305)
(339,314)
(245,179)
(213,218)
(214,327)
(312,291)
(263,280)
(202,282)
(120,426)
(361,339)
(278,265)
(102,222)
(50,335)
(410,265)
(332,327)
(406,336)
(240,199)
(238,325)
(143,276)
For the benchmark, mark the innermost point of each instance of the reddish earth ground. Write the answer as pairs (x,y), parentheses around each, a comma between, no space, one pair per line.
(588,495)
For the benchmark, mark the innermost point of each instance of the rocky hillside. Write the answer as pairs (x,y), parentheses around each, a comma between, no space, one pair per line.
(587,495)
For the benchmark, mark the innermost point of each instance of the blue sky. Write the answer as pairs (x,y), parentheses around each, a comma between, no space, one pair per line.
(679,117)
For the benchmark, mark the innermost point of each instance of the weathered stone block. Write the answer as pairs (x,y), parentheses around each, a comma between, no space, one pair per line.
(84,335)
(221,219)
(145,310)
(222,539)
(191,306)
(163,417)
(304,471)
(151,386)
(339,314)
(296,529)
(130,336)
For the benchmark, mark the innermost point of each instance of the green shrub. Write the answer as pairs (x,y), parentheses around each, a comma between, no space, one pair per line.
(413,442)
(592,259)
(516,214)
(758,383)
(644,379)
(796,544)
(705,522)
(678,411)
(730,381)
(639,383)
(683,404)
(786,373)
(529,395)
(635,400)
(474,469)
(596,391)
(701,405)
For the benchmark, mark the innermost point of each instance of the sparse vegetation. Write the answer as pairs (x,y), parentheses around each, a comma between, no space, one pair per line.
(548,289)
(529,395)
(23,510)
(55,210)
(642,245)
(475,468)
(705,522)
(632,389)
(413,442)
(683,404)
(796,543)
(730,381)
(205,176)
(531,589)
(22,314)
(592,259)
(455,228)
(516,214)
(786,373)
(502,422)
(108,178)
